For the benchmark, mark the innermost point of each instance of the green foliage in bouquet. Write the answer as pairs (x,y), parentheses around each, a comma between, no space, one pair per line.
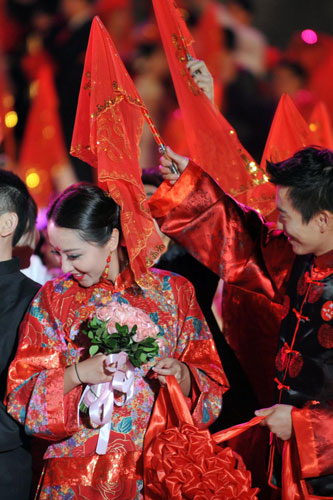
(121,340)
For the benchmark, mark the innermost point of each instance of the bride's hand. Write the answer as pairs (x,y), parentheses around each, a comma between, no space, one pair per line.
(90,371)
(170,366)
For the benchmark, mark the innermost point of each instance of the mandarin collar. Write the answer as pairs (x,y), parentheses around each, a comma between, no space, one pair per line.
(325,261)
(9,266)
(124,280)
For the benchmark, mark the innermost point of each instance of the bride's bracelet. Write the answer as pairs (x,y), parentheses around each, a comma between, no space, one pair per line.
(77,374)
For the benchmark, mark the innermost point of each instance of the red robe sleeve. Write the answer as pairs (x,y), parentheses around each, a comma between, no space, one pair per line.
(196,348)
(230,238)
(314,438)
(36,376)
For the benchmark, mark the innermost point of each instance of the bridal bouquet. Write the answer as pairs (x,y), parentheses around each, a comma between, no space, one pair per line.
(122,328)
(130,339)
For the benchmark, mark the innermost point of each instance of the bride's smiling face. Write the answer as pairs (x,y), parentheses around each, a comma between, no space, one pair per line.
(85,260)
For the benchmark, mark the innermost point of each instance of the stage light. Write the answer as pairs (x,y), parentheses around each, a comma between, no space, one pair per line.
(11,119)
(32,180)
(309,36)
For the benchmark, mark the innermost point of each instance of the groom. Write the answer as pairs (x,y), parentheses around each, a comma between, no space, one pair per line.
(293,267)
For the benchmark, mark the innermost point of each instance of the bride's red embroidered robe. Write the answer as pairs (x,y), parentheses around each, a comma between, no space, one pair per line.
(50,342)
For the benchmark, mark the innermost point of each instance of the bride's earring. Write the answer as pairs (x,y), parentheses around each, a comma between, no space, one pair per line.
(107,267)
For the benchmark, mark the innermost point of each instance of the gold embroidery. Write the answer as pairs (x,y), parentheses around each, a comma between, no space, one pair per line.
(181,53)
(110,127)
(180,50)
(119,95)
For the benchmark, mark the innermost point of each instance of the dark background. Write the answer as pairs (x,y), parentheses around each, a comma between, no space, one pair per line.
(279,18)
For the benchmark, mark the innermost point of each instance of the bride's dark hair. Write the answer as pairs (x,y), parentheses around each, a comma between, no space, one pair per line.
(87,209)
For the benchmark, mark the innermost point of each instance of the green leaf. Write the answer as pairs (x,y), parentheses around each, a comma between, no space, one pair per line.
(114,336)
(83,407)
(122,329)
(124,341)
(150,341)
(113,345)
(134,361)
(93,349)
(97,342)
(149,349)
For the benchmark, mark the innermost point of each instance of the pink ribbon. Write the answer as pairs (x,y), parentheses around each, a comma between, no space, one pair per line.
(100,400)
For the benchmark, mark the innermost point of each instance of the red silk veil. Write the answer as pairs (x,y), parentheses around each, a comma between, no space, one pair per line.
(107,130)
(209,40)
(212,142)
(209,46)
(289,132)
(321,126)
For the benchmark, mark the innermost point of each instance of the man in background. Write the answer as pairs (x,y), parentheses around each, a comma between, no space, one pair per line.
(16,292)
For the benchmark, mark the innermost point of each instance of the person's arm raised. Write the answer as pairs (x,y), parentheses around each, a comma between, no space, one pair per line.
(202,77)
(166,163)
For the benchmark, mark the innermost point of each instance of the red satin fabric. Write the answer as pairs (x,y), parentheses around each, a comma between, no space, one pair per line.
(181,461)
(239,264)
(235,257)
(314,438)
(167,197)
(293,487)
(106,135)
(289,132)
(184,462)
(302,425)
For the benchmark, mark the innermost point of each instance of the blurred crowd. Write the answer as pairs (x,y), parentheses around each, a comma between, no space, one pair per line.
(42,53)
(42,50)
